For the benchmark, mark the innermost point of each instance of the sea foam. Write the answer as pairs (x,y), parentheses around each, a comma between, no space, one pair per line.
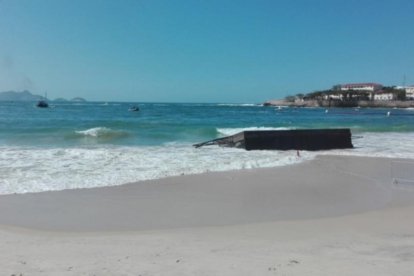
(35,170)
(94,132)
(232,131)
(101,132)
(31,169)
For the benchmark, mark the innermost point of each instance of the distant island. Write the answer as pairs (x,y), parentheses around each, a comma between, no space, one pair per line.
(78,99)
(26,96)
(19,96)
(352,95)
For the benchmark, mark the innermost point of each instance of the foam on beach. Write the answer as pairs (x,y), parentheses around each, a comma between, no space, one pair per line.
(33,169)
(337,215)
(232,131)
(373,144)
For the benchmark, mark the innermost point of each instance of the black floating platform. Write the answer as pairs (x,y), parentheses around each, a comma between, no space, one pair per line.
(299,139)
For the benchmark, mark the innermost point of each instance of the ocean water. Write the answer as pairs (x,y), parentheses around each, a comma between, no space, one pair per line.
(95,144)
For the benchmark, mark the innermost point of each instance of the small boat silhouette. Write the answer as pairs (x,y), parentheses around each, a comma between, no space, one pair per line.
(43,103)
(133,108)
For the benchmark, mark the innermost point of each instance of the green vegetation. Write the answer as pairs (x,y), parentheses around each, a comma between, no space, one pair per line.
(399,93)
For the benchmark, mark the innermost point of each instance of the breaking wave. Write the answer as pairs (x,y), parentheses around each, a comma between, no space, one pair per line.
(232,131)
(101,132)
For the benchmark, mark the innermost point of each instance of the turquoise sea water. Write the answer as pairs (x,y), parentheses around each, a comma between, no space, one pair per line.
(78,145)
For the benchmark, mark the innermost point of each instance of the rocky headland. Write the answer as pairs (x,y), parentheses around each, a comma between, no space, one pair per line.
(337,103)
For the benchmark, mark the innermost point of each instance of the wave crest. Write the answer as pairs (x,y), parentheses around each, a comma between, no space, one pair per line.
(101,132)
(232,131)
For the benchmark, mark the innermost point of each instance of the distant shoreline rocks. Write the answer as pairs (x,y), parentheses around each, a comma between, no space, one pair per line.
(334,103)
(60,100)
(290,103)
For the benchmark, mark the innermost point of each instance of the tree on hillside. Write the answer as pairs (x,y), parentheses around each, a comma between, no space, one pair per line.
(318,94)
(400,94)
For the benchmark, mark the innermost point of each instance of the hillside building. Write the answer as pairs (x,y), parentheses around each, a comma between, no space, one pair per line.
(409,91)
(383,96)
(368,87)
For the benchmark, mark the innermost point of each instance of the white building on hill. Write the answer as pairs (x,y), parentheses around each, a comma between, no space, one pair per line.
(369,87)
(409,91)
(384,96)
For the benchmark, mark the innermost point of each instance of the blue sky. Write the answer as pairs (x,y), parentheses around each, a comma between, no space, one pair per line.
(202,50)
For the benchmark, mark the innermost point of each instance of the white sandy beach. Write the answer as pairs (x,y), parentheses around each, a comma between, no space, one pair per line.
(332,215)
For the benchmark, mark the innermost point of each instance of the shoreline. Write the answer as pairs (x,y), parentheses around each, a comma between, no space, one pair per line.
(238,197)
(341,104)
(341,215)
